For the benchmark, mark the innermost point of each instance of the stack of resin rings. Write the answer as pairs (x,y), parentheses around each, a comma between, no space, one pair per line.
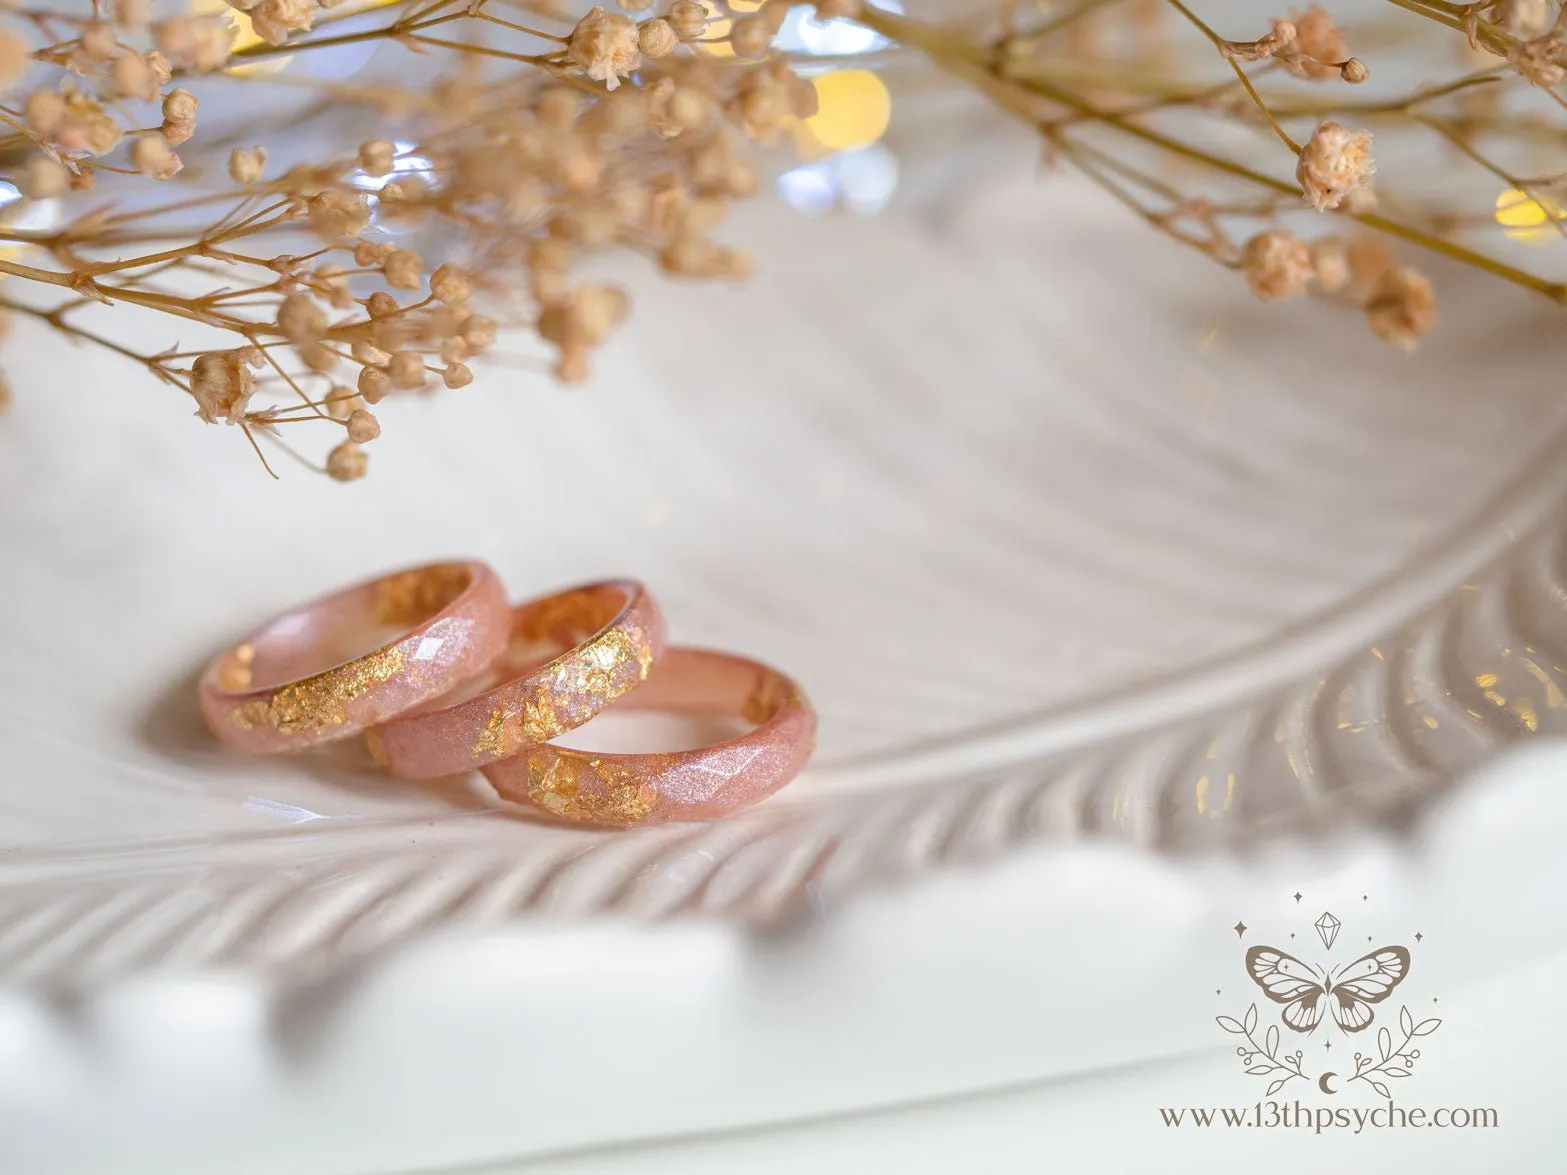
(442,675)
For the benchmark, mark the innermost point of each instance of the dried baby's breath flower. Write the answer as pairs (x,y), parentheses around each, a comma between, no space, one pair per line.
(347,462)
(274,20)
(837,9)
(1330,263)
(150,154)
(1402,307)
(377,157)
(1354,71)
(604,45)
(750,36)
(363,426)
(406,371)
(301,318)
(1333,163)
(456,375)
(404,269)
(133,14)
(1525,19)
(42,178)
(1318,45)
(133,77)
(1277,265)
(14,58)
(450,285)
(222,385)
(1367,257)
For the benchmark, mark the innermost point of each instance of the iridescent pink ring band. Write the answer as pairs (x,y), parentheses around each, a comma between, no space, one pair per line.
(619,790)
(598,642)
(354,659)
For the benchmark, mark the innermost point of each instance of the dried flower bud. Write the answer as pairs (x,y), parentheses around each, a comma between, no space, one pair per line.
(558,107)
(370,355)
(374,385)
(301,319)
(456,375)
(44,112)
(332,283)
(151,156)
(1330,264)
(1334,163)
(319,357)
(376,157)
(604,44)
(179,116)
(1368,257)
(363,426)
(273,20)
(406,371)
(656,39)
(1354,71)
(247,164)
(688,108)
(478,331)
(341,402)
(450,285)
(1524,18)
(380,304)
(750,36)
(98,43)
(335,214)
(14,60)
(1277,265)
(347,462)
(161,69)
(370,253)
(688,18)
(1316,48)
(1401,308)
(404,269)
(133,14)
(454,349)
(222,384)
(132,77)
(42,178)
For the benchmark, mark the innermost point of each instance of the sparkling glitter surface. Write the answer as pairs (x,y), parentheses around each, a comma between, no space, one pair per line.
(354,659)
(604,639)
(621,790)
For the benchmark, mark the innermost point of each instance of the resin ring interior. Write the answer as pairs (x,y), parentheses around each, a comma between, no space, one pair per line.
(570,655)
(354,659)
(621,789)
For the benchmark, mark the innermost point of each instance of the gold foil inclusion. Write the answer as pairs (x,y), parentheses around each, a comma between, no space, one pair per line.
(320,701)
(558,788)
(585,680)
(766,698)
(412,597)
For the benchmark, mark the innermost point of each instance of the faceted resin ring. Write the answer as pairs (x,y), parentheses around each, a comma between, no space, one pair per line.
(619,790)
(570,655)
(351,660)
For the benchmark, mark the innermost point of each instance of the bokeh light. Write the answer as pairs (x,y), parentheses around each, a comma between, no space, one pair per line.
(853,110)
(860,181)
(1528,218)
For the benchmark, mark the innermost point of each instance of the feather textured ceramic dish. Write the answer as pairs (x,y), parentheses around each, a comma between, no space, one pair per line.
(1064,535)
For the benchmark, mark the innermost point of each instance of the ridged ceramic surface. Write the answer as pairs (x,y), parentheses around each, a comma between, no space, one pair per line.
(1063,534)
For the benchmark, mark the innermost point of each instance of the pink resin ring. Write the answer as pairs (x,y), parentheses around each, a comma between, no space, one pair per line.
(619,790)
(353,659)
(603,638)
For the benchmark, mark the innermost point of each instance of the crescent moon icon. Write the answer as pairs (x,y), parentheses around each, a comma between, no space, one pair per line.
(1322,1082)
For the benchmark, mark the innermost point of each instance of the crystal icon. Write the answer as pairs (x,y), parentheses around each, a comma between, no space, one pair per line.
(1327,928)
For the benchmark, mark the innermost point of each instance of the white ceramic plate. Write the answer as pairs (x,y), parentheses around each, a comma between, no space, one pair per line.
(1065,535)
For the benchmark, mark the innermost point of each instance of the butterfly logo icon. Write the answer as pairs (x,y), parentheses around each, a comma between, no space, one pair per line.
(1348,993)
